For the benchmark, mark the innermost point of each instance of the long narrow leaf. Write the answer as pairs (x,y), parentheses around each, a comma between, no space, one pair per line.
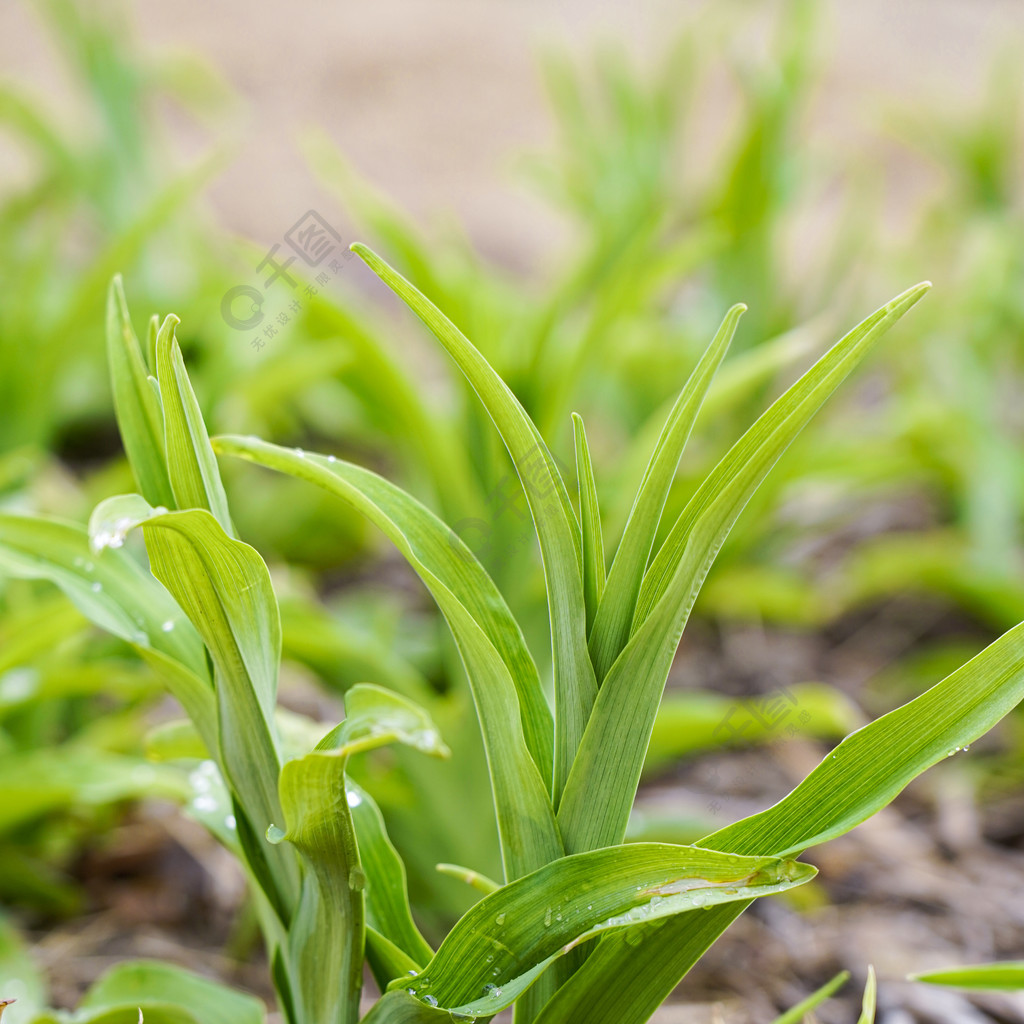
(615,616)
(139,416)
(387,901)
(514,718)
(224,588)
(504,942)
(705,522)
(590,525)
(862,775)
(324,944)
(1007,976)
(115,594)
(193,470)
(557,529)
(600,790)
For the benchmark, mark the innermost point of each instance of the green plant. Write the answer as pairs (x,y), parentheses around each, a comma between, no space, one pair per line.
(328,885)
(1007,976)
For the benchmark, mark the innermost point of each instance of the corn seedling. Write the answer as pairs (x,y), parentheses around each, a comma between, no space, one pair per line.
(580,926)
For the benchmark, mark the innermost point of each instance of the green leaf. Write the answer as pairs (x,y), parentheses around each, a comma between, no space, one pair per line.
(615,616)
(815,999)
(21,980)
(590,523)
(701,529)
(139,983)
(386,960)
(599,793)
(1007,976)
(375,716)
(862,775)
(139,416)
(324,943)
(350,863)
(387,899)
(194,475)
(116,594)
(504,942)
(515,720)
(868,1012)
(470,877)
(557,529)
(224,588)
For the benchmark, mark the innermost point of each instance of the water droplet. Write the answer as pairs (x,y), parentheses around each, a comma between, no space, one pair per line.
(966,748)
(230,822)
(204,804)
(301,454)
(332,458)
(547,918)
(96,587)
(430,1000)
(353,798)
(499,919)
(558,917)
(357,879)
(490,958)
(168,626)
(89,567)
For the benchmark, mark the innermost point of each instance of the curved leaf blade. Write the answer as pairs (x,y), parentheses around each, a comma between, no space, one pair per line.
(874,764)
(628,700)
(615,615)
(590,524)
(514,718)
(137,983)
(191,465)
(136,404)
(504,942)
(1007,976)
(387,899)
(558,531)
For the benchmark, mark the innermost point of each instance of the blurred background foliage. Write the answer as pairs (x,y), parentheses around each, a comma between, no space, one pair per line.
(900,513)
